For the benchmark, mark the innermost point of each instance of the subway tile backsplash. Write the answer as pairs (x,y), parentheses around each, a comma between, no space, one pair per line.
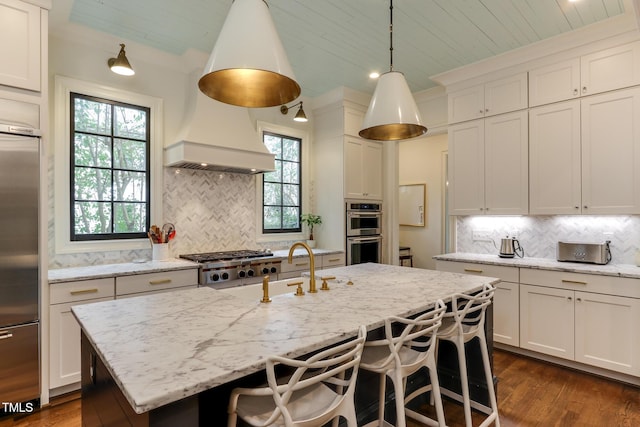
(539,235)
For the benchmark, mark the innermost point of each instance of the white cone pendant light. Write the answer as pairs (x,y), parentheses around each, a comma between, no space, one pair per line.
(248,66)
(393,114)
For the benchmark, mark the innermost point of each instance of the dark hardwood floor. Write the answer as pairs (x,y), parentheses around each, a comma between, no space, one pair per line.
(530,393)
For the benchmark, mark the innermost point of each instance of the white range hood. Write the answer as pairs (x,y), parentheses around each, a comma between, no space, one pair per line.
(219,137)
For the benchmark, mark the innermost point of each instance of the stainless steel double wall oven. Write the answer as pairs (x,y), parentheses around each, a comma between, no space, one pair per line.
(364,231)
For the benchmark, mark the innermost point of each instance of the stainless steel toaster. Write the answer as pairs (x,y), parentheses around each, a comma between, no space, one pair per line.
(594,253)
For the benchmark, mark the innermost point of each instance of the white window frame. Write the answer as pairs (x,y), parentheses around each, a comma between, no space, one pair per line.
(305,186)
(63,88)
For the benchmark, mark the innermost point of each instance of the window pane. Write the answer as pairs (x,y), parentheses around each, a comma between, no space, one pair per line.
(272,217)
(129,186)
(92,217)
(291,217)
(274,145)
(129,123)
(92,184)
(291,150)
(274,176)
(291,195)
(272,194)
(129,218)
(291,172)
(90,150)
(92,116)
(128,154)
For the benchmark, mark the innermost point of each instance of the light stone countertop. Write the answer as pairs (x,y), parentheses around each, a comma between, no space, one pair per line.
(618,270)
(73,274)
(163,347)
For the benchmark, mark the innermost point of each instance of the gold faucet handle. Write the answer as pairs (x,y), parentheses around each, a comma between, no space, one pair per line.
(325,286)
(299,291)
(265,289)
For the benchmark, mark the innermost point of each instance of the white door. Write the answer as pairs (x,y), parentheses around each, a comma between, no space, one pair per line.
(554,159)
(546,320)
(353,184)
(506,314)
(606,332)
(372,170)
(466,168)
(466,104)
(504,95)
(555,82)
(611,153)
(20,41)
(609,69)
(506,173)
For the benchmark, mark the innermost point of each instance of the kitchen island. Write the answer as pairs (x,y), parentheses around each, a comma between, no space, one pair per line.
(164,355)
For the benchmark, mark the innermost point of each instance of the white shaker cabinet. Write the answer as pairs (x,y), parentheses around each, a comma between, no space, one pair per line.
(488,166)
(609,69)
(506,301)
(489,99)
(611,153)
(605,332)
(555,179)
(555,82)
(586,318)
(64,331)
(363,169)
(585,155)
(20,30)
(546,320)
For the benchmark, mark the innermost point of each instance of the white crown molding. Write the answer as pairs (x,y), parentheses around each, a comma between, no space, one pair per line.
(45,4)
(623,27)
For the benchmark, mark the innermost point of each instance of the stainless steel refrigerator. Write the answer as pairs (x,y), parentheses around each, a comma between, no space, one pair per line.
(19,272)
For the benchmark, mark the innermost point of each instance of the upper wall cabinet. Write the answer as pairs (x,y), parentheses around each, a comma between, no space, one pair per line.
(488,172)
(363,169)
(496,97)
(605,70)
(20,41)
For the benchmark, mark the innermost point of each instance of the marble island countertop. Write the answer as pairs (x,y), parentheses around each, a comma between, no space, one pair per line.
(163,347)
(73,274)
(617,270)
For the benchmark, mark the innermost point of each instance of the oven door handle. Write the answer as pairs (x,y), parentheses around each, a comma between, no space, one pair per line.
(364,215)
(365,239)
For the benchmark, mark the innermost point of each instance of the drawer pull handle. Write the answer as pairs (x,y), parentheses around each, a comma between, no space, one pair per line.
(302,264)
(5,335)
(84,291)
(334,260)
(574,282)
(159,282)
(472,270)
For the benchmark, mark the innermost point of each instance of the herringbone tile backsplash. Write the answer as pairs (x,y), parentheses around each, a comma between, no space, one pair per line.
(211,211)
(539,235)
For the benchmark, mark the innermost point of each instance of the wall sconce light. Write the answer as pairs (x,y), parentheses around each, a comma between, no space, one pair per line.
(300,115)
(120,65)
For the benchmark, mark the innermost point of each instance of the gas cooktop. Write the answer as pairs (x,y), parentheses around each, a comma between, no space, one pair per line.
(226,255)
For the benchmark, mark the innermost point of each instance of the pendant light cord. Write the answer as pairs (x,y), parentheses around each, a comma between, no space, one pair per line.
(390,35)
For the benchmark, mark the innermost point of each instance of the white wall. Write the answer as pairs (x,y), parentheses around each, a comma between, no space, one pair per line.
(420,162)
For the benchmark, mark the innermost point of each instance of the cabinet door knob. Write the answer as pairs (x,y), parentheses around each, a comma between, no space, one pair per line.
(584,89)
(486,110)
(481,111)
(575,91)
(585,207)
(577,207)
(579,299)
(569,298)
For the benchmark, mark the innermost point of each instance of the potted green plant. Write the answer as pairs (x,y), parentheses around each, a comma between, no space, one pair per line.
(311,220)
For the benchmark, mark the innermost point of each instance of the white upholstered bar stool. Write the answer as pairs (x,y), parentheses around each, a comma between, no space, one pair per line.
(464,322)
(408,346)
(320,389)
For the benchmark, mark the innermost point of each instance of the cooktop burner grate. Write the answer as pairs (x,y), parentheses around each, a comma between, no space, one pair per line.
(226,255)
